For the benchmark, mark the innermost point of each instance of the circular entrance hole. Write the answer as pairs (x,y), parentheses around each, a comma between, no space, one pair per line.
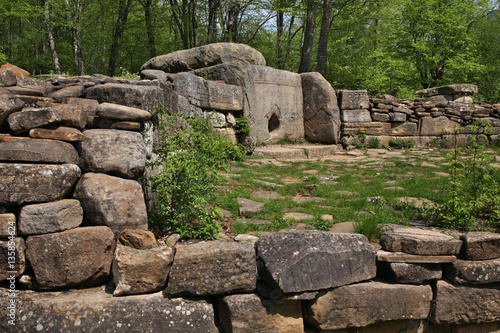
(274,123)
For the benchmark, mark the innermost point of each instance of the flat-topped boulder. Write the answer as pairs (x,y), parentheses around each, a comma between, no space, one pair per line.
(74,90)
(249,207)
(213,268)
(305,260)
(353,99)
(205,56)
(93,310)
(30,118)
(78,257)
(437,126)
(362,304)
(121,112)
(452,89)
(419,242)
(474,272)
(38,151)
(481,245)
(410,273)
(23,183)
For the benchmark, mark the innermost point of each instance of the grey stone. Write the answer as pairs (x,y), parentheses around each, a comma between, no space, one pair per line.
(481,245)
(78,257)
(13,248)
(153,74)
(111,201)
(397,117)
(59,133)
(50,217)
(92,310)
(251,313)
(305,260)
(412,258)
(420,242)
(321,110)
(75,90)
(121,112)
(224,97)
(27,119)
(465,304)
(356,116)
(205,56)
(138,239)
(452,89)
(38,151)
(474,272)
(140,271)
(116,152)
(404,129)
(9,104)
(213,268)
(217,120)
(8,225)
(410,273)
(363,304)
(249,207)
(72,115)
(24,183)
(88,106)
(436,126)
(28,90)
(8,78)
(353,99)
(383,117)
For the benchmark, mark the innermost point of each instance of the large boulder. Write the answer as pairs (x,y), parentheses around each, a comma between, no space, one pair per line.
(50,217)
(205,56)
(12,258)
(7,78)
(452,89)
(20,183)
(27,119)
(437,126)
(111,201)
(9,104)
(74,90)
(305,260)
(58,133)
(474,272)
(17,70)
(92,310)
(353,99)
(38,151)
(140,271)
(481,245)
(115,152)
(356,116)
(249,313)
(122,112)
(138,239)
(79,257)
(465,304)
(363,304)
(402,272)
(321,111)
(213,268)
(72,115)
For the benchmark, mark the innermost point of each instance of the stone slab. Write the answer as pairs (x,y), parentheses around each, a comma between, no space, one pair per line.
(59,133)
(474,272)
(27,119)
(412,258)
(38,151)
(121,112)
(410,273)
(249,207)
(12,258)
(8,225)
(481,245)
(353,99)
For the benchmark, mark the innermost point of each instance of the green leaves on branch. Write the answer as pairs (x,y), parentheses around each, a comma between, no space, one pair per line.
(185,173)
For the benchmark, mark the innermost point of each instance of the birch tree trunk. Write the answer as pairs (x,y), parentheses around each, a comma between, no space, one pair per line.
(52,43)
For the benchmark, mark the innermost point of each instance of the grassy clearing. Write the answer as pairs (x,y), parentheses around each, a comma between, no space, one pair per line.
(363,190)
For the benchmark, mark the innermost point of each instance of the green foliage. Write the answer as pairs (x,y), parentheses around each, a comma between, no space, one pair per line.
(400,143)
(185,175)
(242,125)
(321,224)
(472,198)
(373,143)
(3,58)
(369,227)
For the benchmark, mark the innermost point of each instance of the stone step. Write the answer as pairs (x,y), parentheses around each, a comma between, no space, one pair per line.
(296,151)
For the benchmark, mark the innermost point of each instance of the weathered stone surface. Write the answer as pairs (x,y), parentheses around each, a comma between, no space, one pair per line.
(111,201)
(88,106)
(144,96)
(356,116)
(20,183)
(452,89)
(412,258)
(377,116)
(50,217)
(405,129)
(305,260)
(92,310)
(397,117)
(8,225)
(140,271)
(75,90)
(251,313)
(28,90)
(116,152)
(8,78)
(100,123)
(205,56)
(153,74)
(213,268)
(465,305)
(121,112)
(78,257)
(370,128)
(249,207)
(59,133)
(17,70)
(480,245)
(35,101)
(27,119)
(12,249)
(410,273)
(436,126)
(72,115)
(421,242)
(9,104)
(38,151)
(363,304)
(321,110)
(138,239)
(353,99)
(474,272)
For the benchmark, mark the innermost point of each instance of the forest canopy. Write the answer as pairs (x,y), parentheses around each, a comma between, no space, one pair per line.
(385,46)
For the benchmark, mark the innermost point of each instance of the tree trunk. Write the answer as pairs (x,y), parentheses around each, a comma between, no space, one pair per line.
(194,23)
(180,27)
(52,43)
(118,32)
(74,28)
(213,7)
(279,38)
(308,38)
(231,33)
(148,18)
(323,37)
(289,40)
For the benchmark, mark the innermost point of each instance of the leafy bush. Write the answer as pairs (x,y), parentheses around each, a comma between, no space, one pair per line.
(321,224)
(3,59)
(185,175)
(400,143)
(242,125)
(374,143)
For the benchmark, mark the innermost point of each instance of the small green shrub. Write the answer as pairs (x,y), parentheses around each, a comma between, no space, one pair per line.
(321,224)
(242,125)
(185,174)
(374,143)
(369,227)
(399,143)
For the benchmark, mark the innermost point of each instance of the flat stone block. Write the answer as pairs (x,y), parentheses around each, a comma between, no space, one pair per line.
(481,245)
(413,258)
(410,273)
(474,272)
(38,151)
(8,226)
(27,119)
(12,258)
